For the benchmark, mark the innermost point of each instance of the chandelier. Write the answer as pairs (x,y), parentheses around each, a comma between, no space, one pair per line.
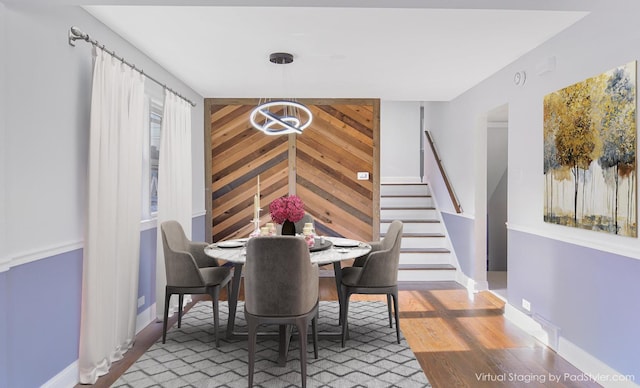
(283,116)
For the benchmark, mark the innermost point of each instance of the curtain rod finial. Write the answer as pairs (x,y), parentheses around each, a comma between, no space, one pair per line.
(74,34)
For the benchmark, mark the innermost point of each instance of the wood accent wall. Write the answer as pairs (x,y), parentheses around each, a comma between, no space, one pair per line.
(319,165)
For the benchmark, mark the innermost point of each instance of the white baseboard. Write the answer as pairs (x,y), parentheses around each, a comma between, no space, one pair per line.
(67,378)
(589,366)
(145,318)
(471,285)
(593,368)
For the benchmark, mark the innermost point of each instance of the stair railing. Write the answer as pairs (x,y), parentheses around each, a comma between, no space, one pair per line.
(436,156)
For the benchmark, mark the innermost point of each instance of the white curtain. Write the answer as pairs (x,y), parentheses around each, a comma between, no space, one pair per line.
(112,241)
(174,180)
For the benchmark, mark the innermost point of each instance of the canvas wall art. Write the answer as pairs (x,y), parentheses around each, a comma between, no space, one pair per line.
(590,153)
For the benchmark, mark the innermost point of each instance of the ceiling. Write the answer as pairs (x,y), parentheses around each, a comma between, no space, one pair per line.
(404,54)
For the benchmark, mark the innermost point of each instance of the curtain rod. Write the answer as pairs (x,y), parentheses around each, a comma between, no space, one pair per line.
(75,33)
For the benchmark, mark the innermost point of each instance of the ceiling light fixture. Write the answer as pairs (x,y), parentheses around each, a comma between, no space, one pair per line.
(279,117)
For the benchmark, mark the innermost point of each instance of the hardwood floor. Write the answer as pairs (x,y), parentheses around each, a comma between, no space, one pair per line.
(459,341)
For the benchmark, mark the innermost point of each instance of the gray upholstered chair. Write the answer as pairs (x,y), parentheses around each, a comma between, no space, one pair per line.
(189,271)
(376,273)
(280,287)
(300,224)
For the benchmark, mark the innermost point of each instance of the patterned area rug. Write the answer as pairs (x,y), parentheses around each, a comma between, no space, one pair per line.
(371,357)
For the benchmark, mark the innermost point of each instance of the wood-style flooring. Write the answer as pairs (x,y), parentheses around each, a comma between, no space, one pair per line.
(459,340)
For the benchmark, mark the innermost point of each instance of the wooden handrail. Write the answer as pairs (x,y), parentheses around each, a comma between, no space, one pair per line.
(436,156)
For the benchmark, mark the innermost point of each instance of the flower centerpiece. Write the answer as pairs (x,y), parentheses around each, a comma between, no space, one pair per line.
(287,210)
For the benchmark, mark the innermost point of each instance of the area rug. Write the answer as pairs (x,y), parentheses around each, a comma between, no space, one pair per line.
(370,358)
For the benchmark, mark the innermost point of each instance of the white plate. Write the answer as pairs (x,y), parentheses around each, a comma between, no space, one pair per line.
(230,244)
(345,243)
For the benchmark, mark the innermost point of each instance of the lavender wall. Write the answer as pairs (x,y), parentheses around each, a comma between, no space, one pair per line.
(40,301)
(4,331)
(43,318)
(147,274)
(198,230)
(460,230)
(591,295)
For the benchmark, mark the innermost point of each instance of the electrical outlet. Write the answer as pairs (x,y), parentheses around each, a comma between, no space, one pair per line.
(363,176)
(141,301)
(526,304)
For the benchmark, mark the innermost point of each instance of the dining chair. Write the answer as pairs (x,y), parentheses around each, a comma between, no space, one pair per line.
(190,271)
(280,287)
(307,218)
(375,273)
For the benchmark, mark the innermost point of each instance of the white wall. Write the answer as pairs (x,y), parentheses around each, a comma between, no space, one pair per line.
(400,141)
(47,97)
(579,282)
(3,141)
(581,52)
(454,135)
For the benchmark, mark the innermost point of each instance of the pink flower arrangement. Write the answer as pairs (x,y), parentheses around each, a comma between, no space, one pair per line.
(286,208)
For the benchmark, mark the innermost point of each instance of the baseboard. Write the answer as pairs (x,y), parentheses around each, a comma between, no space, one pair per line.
(526,323)
(68,377)
(471,285)
(145,318)
(593,368)
(589,366)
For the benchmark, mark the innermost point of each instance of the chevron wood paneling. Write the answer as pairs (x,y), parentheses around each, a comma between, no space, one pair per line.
(329,154)
(320,166)
(238,155)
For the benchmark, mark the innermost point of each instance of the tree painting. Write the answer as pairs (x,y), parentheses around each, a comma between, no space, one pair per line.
(590,153)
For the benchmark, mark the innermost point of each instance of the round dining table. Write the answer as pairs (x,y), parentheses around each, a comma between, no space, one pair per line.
(326,250)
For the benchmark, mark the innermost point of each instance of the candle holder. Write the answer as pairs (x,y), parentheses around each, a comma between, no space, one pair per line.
(256,227)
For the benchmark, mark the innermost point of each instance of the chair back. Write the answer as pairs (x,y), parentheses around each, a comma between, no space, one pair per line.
(300,224)
(393,236)
(180,267)
(279,278)
(176,238)
(382,271)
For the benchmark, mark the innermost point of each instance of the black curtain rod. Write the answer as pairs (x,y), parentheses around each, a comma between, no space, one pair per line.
(75,33)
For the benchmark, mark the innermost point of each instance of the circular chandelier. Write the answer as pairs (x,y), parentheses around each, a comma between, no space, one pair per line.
(279,117)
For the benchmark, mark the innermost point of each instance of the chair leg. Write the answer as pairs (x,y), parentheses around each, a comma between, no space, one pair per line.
(167,296)
(314,329)
(395,308)
(215,295)
(252,328)
(302,323)
(180,302)
(345,313)
(389,308)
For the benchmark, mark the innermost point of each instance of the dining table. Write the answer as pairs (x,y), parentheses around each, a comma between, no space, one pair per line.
(325,250)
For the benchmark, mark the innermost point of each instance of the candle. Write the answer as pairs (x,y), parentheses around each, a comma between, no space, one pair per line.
(257,201)
(256,208)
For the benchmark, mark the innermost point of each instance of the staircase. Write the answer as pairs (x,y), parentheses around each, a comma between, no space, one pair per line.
(424,253)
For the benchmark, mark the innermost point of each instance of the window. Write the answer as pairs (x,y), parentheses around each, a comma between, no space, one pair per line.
(155,121)
(150,155)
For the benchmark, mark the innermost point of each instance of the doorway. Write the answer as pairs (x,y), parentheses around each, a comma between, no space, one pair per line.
(497,199)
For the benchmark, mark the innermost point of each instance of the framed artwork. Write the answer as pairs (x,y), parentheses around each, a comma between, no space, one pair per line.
(590,153)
